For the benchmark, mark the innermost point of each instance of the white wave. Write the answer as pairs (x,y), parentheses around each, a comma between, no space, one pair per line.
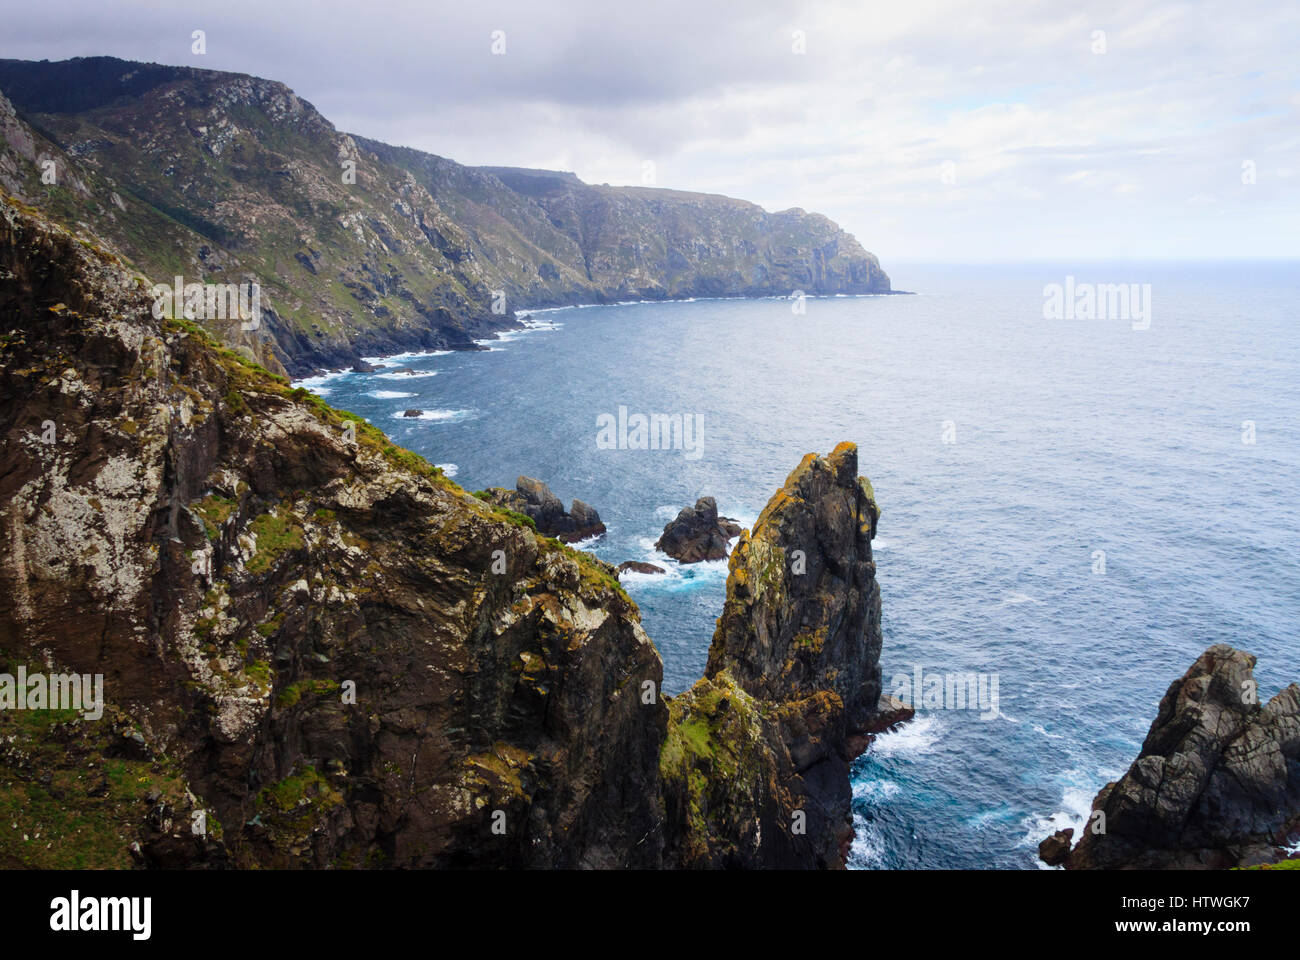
(875,789)
(914,738)
(879,543)
(448,469)
(412,375)
(1076,805)
(389,394)
(405,357)
(317,384)
(1038,728)
(866,852)
(676,576)
(1018,598)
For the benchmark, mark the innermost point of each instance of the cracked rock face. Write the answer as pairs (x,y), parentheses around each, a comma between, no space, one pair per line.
(1217,783)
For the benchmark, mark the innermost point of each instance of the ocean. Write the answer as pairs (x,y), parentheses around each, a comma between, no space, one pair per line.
(1073,509)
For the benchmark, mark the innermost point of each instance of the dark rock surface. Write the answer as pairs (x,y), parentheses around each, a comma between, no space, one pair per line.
(413,413)
(534,499)
(698,533)
(1216,784)
(1054,850)
(639,566)
(756,767)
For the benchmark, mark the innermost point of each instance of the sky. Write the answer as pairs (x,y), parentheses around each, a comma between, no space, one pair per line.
(931,130)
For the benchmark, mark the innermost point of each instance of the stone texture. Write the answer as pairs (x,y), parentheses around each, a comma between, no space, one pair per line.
(213,543)
(534,499)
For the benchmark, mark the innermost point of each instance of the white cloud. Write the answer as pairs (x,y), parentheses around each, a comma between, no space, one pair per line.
(1055,151)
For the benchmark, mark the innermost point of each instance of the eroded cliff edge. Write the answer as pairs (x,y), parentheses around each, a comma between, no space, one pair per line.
(328,654)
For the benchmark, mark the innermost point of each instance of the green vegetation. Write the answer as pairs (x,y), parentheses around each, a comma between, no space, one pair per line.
(275,534)
(294,692)
(214,511)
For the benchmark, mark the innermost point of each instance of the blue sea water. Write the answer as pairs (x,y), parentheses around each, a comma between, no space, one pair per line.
(1070,437)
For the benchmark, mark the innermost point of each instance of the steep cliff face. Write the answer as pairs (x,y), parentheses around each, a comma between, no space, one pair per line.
(361,247)
(309,635)
(1217,783)
(756,761)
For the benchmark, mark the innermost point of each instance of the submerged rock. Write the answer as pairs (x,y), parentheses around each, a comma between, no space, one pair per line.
(639,566)
(698,533)
(534,499)
(1217,783)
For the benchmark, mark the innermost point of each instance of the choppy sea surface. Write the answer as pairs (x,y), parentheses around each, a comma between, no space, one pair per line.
(1075,506)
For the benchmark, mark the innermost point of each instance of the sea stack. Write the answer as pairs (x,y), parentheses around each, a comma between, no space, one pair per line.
(756,767)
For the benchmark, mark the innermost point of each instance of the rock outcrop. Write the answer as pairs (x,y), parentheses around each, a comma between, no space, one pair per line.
(1217,783)
(534,499)
(757,759)
(362,248)
(698,533)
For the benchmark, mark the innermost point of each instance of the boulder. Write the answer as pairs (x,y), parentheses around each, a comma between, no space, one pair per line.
(1053,850)
(698,533)
(413,413)
(1216,784)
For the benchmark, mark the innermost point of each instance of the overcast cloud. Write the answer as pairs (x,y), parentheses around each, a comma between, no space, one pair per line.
(931,130)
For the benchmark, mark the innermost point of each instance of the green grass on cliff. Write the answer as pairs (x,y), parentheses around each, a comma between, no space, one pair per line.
(66,803)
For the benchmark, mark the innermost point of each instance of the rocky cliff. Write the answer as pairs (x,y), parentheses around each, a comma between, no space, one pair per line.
(318,651)
(1216,784)
(361,247)
(308,634)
